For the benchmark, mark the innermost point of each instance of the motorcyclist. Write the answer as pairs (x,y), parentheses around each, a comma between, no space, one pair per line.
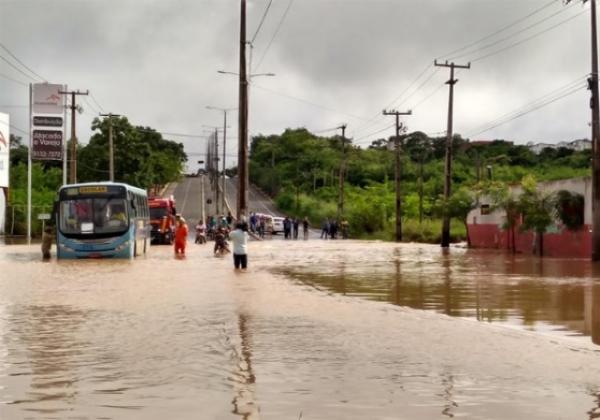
(200,233)
(221,246)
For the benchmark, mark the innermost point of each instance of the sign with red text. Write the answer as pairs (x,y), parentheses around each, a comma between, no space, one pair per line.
(47,121)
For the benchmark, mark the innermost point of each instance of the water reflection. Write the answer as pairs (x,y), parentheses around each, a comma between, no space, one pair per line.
(51,349)
(244,399)
(550,296)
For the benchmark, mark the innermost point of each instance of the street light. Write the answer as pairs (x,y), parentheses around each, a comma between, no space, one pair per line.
(224,110)
(243,178)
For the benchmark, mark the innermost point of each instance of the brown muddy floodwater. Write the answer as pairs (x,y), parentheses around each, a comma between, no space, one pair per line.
(314,330)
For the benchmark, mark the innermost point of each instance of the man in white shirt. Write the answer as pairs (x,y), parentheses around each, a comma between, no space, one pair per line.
(239,239)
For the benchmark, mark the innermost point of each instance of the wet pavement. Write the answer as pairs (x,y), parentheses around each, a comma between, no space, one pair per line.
(314,330)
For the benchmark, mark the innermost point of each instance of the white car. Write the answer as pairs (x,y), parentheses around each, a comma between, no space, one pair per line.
(278,224)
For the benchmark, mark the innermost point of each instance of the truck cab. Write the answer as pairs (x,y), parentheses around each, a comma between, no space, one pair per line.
(162,219)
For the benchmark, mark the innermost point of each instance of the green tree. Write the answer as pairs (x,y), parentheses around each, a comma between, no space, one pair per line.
(538,209)
(460,204)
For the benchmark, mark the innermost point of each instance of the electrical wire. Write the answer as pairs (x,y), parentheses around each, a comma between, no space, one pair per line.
(14,80)
(499,31)
(533,25)
(528,38)
(96,102)
(519,114)
(360,140)
(20,62)
(262,20)
(309,103)
(275,34)
(16,68)
(377,118)
(92,107)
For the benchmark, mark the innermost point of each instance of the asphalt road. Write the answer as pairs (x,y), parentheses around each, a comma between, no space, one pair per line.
(193,193)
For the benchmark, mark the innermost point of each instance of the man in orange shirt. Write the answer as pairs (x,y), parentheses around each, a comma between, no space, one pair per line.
(181,233)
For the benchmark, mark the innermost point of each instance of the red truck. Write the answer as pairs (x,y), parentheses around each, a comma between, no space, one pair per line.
(162,219)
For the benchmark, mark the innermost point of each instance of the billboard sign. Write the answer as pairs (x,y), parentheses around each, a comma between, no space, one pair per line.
(47,128)
(47,145)
(4,149)
(47,99)
(48,122)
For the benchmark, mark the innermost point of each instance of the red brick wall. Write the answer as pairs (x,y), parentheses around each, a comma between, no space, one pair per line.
(564,244)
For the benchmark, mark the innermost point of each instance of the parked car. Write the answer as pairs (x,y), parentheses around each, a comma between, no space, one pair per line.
(278,224)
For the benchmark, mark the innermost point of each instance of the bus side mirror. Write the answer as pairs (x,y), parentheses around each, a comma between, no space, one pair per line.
(133,203)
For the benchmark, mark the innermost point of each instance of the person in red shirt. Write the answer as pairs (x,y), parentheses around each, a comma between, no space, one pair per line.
(181,233)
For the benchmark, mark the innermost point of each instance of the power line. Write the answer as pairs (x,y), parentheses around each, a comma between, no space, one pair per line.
(404,101)
(16,68)
(378,115)
(499,31)
(309,102)
(359,140)
(20,62)
(13,80)
(543,98)
(97,103)
(485,47)
(528,38)
(275,34)
(528,111)
(92,107)
(262,20)
(377,118)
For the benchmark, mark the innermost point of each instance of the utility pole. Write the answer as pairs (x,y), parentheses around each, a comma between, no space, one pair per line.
(224,110)
(73,166)
(243,176)
(450,135)
(342,173)
(217,171)
(398,149)
(111,149)
(595,106)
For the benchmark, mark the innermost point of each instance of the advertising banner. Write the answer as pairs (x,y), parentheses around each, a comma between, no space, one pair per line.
(4,147)
(47,145)
(47,127)
(47,99)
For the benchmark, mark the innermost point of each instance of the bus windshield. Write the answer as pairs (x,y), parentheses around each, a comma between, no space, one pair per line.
(93,216)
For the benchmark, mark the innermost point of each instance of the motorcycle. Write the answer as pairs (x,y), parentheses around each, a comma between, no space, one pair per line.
(200,234)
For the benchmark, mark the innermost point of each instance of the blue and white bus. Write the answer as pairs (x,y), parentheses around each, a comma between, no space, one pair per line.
(101,220)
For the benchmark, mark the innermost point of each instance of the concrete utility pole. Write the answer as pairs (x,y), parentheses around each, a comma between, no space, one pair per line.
(398,150)
(448,165)
(342,172)
(224,110)
(243,176)
(217,171)
(73,166)
(111,149)
(595,106)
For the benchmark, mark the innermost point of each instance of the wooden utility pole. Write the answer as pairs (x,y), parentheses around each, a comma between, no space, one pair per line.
(342,173)
(243,176)
(398,173)
(73,165)
(111,148)
(450,135)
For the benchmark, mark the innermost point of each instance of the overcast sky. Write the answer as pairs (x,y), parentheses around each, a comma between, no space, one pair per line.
(336,61)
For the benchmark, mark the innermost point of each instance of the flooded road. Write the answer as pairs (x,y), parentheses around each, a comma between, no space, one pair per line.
(314,330)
